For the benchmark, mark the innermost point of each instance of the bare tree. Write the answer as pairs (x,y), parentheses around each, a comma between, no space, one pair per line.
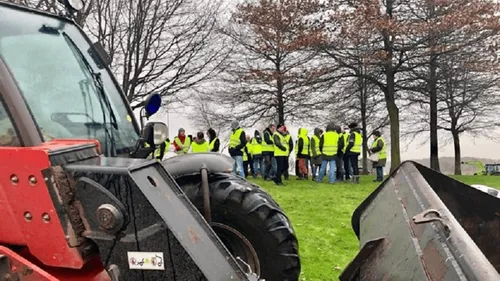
(359,100)
(270,77)
(168,47)
(204,116)
(55,7)
(467,99)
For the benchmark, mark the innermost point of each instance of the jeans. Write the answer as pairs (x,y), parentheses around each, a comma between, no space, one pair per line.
(332,170)
(274,166)
(238,166)
(380,173)
(314,170)
(268,167)
(257,165)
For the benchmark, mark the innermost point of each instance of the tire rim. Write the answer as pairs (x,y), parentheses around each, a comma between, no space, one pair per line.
(238,245)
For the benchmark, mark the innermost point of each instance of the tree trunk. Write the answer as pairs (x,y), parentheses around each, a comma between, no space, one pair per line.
(434,145)
(281,108)
(279,94)
(363,103)
(458,152)
(393,110)
(390,95)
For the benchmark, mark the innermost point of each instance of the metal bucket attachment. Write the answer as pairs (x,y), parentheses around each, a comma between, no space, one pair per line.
(422,225)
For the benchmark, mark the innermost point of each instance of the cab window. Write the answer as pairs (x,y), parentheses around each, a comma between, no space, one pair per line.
(8,136)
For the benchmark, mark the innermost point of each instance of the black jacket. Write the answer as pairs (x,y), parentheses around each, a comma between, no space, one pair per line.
(216,145)
(268,140)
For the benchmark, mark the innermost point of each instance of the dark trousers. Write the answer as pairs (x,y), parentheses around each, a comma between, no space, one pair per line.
(353,163)
(347,167)
(245,167)
(380,173)
(339,173)
(281,164)
(297,169)
(268,165)
(287,168)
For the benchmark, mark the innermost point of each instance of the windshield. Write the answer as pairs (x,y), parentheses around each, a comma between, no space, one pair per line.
(69,97)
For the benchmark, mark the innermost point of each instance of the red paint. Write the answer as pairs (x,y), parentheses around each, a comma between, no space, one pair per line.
(45,241)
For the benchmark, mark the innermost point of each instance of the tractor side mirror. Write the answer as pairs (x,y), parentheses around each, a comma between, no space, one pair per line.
(155,133)
(152,135)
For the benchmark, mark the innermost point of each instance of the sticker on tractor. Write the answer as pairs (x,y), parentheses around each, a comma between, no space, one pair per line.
(146,260)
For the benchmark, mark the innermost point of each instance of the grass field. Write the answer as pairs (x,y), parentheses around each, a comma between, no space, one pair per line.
(321,216)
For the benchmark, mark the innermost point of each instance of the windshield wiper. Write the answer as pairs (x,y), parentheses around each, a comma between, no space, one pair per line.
(103,98)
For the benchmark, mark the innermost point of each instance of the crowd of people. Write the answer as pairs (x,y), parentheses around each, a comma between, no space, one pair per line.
(335,151)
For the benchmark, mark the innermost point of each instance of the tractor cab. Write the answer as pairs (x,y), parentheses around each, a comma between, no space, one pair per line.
(56,84)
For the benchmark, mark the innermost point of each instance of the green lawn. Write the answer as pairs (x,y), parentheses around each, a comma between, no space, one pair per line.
(321,216)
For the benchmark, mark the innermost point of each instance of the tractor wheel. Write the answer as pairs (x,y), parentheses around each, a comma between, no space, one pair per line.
(250,224)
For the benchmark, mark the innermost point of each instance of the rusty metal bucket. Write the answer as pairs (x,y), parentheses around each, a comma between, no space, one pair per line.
(422,225)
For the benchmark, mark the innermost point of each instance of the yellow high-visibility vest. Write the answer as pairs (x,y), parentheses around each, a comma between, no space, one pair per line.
(330,143)
(212,145)
(287,140)
(265,146)
(358,141)
(316,143)
(277,151)
(345,135)
(185,146)
(199,147)
(256,147)
(382,154)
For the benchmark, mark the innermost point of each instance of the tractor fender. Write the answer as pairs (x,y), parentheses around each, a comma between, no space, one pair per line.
(191,164)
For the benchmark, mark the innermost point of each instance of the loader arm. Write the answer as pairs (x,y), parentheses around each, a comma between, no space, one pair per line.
(77,219)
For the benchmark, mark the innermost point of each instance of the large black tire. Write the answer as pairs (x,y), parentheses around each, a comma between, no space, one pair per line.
(249,210)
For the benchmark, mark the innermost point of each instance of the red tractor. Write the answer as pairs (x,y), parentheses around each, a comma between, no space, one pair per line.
(79,199)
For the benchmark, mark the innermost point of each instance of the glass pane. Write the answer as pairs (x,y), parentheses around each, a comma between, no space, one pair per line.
(8,136)
(44,57)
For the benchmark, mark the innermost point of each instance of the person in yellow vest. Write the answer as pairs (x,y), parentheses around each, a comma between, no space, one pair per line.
(339,174)
(248,157)
(268,152)
(330,144)
(379,147)
(353,150)
(289,141)
(297,169)
(213,140)
(182,143)
(315,153)
(258,168)
(160,150)
(303,152)
(280,153)
(237,142)
(345,158)
(199,144)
